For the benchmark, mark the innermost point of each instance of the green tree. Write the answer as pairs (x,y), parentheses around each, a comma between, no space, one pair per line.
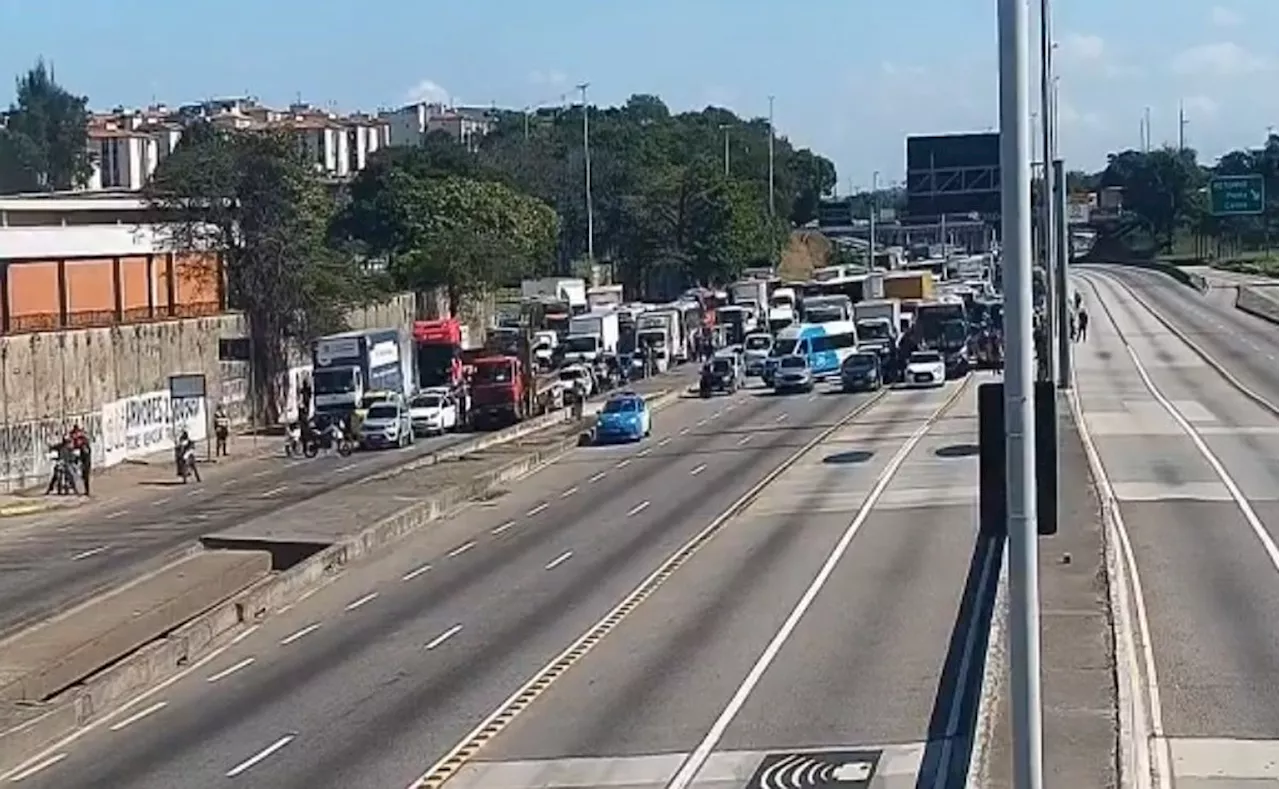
(249,198)
(466,235)
(44,142)
(1161,187)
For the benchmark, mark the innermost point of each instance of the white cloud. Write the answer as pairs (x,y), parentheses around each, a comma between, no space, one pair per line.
(899,70)
(1219,59)
(1081,47)
(1199,108)
(1071,116)
(548,79)
(1225,17)
(427,91)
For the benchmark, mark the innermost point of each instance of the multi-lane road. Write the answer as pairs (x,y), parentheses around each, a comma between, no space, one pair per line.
(828,612)
(1191,458)
(54,559)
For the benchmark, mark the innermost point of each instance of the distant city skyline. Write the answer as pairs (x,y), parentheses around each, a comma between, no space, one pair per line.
(851,82)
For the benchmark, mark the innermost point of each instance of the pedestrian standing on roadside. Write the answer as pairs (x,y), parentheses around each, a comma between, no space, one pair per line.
(84,454)
(1082,325)
(221,430)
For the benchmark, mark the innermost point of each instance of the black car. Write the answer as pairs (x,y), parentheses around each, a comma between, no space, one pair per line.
(721,374)
(861,372)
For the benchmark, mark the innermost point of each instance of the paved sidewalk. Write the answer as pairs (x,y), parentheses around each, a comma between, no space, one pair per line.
(1077,656)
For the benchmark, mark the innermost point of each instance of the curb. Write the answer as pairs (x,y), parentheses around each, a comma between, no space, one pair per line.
(200,639)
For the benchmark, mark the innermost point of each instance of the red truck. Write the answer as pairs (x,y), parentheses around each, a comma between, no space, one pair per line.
(502,393)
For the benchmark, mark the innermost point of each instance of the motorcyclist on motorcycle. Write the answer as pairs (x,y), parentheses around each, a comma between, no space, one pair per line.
(185,455)
(293,440)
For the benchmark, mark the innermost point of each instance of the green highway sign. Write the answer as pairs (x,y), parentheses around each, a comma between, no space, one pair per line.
(1235,195)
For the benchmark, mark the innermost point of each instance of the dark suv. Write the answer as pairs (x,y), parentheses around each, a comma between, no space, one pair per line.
(861,372)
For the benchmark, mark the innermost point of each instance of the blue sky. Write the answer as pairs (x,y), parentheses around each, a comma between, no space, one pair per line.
(851,77)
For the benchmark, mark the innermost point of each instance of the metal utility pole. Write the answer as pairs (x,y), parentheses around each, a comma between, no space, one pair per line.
(1182,127)
(724,129)
(875,184)
(1063,243)
(586,158)
(1046,195)
(1146,130)
(1024,582)
(771,207)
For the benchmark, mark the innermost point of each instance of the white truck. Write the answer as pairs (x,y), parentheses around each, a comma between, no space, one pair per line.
(782,309)
(752,293)
(567,290)
(591,336)
(604,297)
(879,323)
(661,331)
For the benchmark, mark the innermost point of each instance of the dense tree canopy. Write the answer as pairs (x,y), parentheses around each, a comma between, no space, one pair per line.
(1166,191)
(43,140)
(664,209)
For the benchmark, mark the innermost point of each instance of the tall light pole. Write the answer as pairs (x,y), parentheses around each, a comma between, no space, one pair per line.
(1047,245)
(586,158)
(1024,582)
(724,129)
(771,206)
(875,184)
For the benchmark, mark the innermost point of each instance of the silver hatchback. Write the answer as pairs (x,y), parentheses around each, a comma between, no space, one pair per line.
(793,375)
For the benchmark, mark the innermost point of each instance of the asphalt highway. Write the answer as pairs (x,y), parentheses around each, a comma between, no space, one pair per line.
(1193,463)
(51,561)
(370,679)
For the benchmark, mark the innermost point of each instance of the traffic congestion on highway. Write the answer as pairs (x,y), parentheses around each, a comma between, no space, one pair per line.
(772,579)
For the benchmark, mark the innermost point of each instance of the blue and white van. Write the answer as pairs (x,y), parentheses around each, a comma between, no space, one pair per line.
(824,345)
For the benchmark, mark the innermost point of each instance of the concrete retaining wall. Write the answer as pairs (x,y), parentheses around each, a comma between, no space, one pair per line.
(51,380)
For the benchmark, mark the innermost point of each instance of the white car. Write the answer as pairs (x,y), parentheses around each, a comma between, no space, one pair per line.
(433,413)
(925,368)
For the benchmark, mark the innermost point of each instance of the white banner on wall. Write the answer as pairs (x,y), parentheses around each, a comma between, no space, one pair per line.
(147,423)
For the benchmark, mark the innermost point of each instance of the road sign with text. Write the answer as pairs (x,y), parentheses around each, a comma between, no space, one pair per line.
(1235,195)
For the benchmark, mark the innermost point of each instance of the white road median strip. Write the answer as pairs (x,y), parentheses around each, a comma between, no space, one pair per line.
(599,475)
(569,493)
(559,560)
(443,637)
(698,469)
(137,716)
(694,762)
(536,510)
(226,672)
(504,527)
(43,764)
(90,552)
(639,508)
(353,605)
(461,549)
(409,576)
(260,756)
(304,632)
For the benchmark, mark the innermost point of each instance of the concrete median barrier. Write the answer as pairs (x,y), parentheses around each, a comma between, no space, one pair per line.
(1258,302)
(29,726)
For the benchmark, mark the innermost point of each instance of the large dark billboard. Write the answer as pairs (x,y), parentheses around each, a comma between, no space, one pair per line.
(953,174)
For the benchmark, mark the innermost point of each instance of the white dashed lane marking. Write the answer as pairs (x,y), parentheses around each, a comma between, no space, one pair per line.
(443,637)
(698,469)
(559,560)
(639,508)
(369,598)
(461,549)
(226,672)
(303,633)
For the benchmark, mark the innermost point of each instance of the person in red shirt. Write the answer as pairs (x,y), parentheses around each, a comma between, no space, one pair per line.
(83,453)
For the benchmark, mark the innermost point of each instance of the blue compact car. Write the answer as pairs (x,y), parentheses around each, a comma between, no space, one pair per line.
(624,417)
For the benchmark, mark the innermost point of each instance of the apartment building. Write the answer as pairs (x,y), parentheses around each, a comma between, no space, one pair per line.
(410,124)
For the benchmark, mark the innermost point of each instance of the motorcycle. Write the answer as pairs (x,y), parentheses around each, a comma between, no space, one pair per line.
(187,463)
(324,440)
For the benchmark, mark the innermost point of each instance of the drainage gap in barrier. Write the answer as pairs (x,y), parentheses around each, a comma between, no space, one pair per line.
(284,553)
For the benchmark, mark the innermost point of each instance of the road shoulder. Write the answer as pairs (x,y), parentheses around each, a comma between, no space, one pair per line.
(1077,653)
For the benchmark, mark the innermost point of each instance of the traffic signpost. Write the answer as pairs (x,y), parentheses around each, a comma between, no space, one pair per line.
(1237,195)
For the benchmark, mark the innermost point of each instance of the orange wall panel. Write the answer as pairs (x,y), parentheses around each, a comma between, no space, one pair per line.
(33,288)
(133,283)
(159,282)
(91,285)
(197,279)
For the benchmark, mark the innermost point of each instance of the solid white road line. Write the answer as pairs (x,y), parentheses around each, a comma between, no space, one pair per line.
(443,637)
(226,672)
(698,469)
(461,549)
(639,508)
(409,576)
(137,716)
(262,755)
(559,560)
(304,632)
(694,762)
(90,552)
(366,599)
(37,767)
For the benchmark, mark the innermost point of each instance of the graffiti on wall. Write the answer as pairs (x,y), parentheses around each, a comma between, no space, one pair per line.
(25,447)
(147,423)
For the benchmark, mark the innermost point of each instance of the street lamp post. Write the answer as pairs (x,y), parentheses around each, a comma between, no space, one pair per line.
(1020,435)
(875,184)
(771,206)
(1047,245)
(724,129)
(586,158)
